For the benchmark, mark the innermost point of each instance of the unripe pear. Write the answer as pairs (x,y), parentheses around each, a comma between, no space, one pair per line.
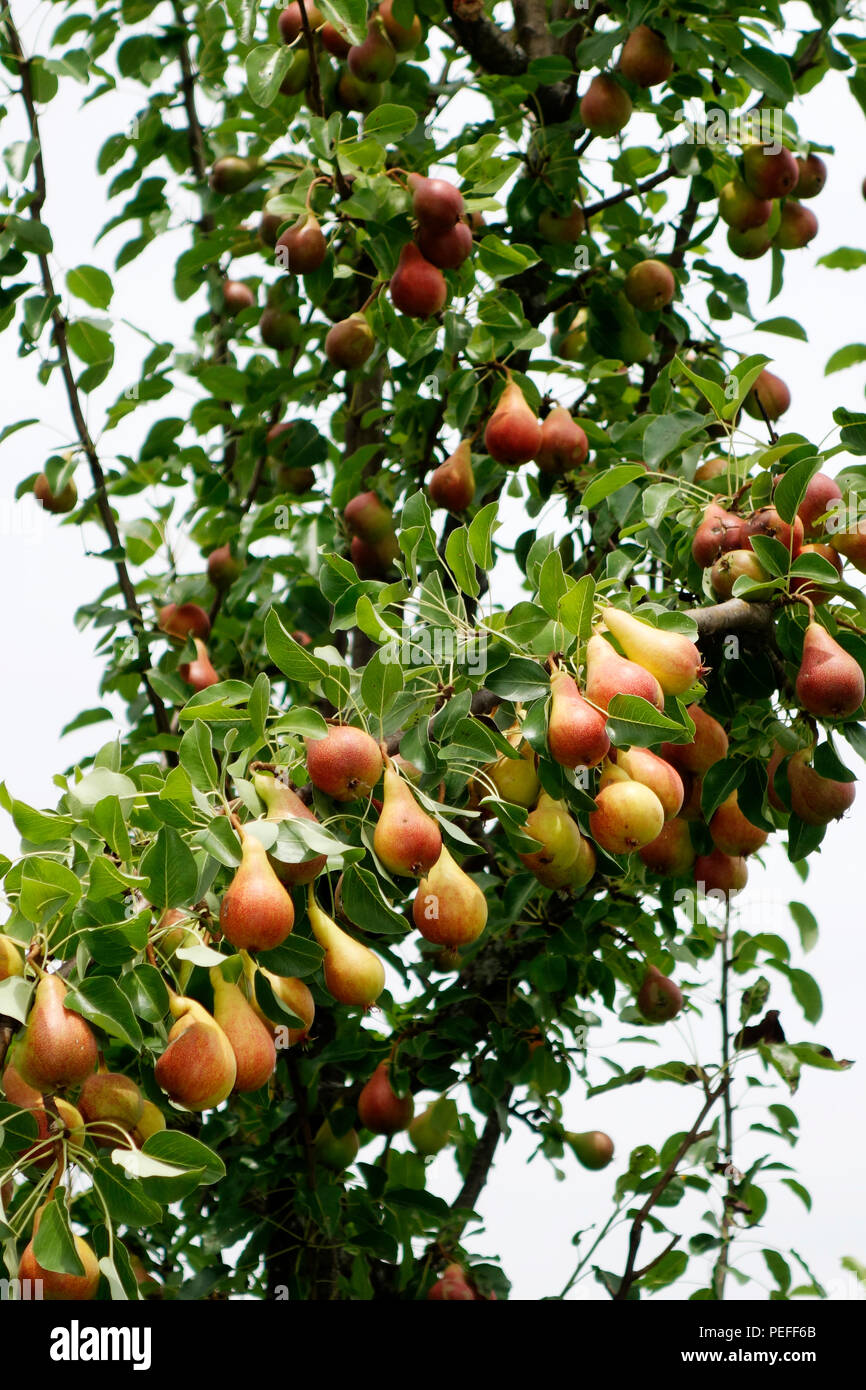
(709,745)
(609,674)
(182,620)
(346,764)
(112,1105)
(659,998)
(750,245)
(335,1151)
(650,285)
(564,445)
(402,37)
(770,392)
(231,173)
(251,1042)
(453,482)
(417,287)
(198,1068)
(65,1288)
(646,59)
(406,839)
(445,249)
(821,491)
(356,95)
(830,683)
(516,779)
(256,913)
(449,908)
(733,566)
(812,176)
(350,342)
(222,567)
(797,227)
(432,1130)
(380,1109)
(742,209)
(671,657)
(559,840)
(284,804)
(200,673)
(279,328)
(562,229)
(336,44)
(576,732)
(627,816)
(605,107)
(769,175)
(302,248)
(58,1049)
(732,832)
(593,1149)
(512,435)
(374,60)
(436,203)
(58,503)
(654,772)
(353,974)
(815,799)
(236,297)
(721,873)
(11,959)
(671,853)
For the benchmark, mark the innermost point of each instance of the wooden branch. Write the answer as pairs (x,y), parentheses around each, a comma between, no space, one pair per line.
(484,40)
(482,1159)
(734,615)
(59,337)
(645,187)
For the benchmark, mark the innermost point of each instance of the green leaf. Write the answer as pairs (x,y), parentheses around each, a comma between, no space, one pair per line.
(184,1151)
(788,328)
(791,488)
(719,781)
(610,481)
(125,1198)
(90,284)
(89,342)
(576,607)
(633,721)
(266,66)
(364,904)
(100,1001)
(845,258)
(53,1244)
(849,356)
(389,123)
(768,72)
(806,925)
(170,869)
(458,558)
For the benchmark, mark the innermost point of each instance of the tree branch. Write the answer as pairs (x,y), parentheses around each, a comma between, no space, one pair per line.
(484,40)
(482,1158)
(734,615)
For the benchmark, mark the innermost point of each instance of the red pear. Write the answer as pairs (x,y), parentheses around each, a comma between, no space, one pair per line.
(368,517)
(646,59)
(380,1109)
(769,175)
(812,176)
(346,764)
(402,37)
(815,799)
(712,536)
(564,445)
(184,620)
(742,209)
(236,297)
(609,674)
(605,107)
(798,226)
(720,873)
(808,588)
(732,832)
(576,732)
(671,852)
(302,247)
(821,491)
(659,998)
(436,203)
(256,912)
(767,522)
(453,482)
(513,435)
(708,746)
(200,673)
(830,683)
(417,287)
(771,393)
(446,249)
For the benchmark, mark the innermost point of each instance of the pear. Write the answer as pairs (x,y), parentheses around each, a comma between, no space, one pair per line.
(152,1121)
(659,998)
(693,787)
(808,589)
(111,1104)
(380,1109)
(256,912)
(49,1133)
(284,804)
(830,682)
(766,521)
(562,229)
(402,37)
(447,250)
(671,657)
(721,873)
(564,445)
(646,59)
(56,1287)
(296,997)
(650,285)
(513,435)
(769,396)
(453,482)
(222,568)
(719,530)
(355,95)
(709,745)
(436,203)
(432,1130)
(418,288)
(346,763)
(353,974)
(671,853)
(742,209)
(769,174)
(58,1048)
(605,107)
(406,839)
(815,799)
(350,342)
(236,297)
(609,674)
(449,908)
(852,544)
(374,60)
(297,74)
(734,565)
(516,779)
(593,1148)
(198,1068)
(750,245)
(200,674)
(231,173)
(821,491)
(251,1042)
(455,1287)
(11,959)
(627,816)
(559,839)
(374,561)
(334,42)
(710,469)
(732,832)
(302,248)
(182,620)
(335,1151)
(291,24)
(58,503)
(367,516)
(657,774)
(576,732)
(812,176)
(798,226)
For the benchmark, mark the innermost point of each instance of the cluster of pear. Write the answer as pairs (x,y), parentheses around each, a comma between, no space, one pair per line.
(758,203)
(645,60)
(368,65)
(513,436)
(184,622)
(373,547)
(443,240)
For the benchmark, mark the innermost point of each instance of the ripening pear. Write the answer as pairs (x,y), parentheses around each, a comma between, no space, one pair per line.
(256,912)
(58,503)
(516,779)
(605,107)
(646,59)
(251,1042)
(198,1068)
(513,435)
(564,445)
(335,1151)
(346,763)
(367,516)
(111,1104)
(812,176)
(627,816)
(237,296)
(182,620)
(453,482)
(671,853)
(815,799)
(43,1153)
(742,209)
(766,521)
(564,858)
(302,248)
(11,959)
(290,21)
(821,492)
(152,1121)
(659,998)
(380,1109)
(449,908)
(732,832)
(350,342)
(353,974)
(231,173)
(769,174)
(200,673)
(709,745)
(432,1130)
(296,997)
(222,568)
(656,773)
(418,288)
(650,285)
(769,396)
(435,202)
(609,674)
(593,1148)
(402,37)
(719,530)
(284,804)
(830,682)
(447,250)
(734,565)
(852,544)
(576,731)
(406,839)
(455,1286)
(671,657)
(58,1048)
(721,873)
(809,589)
(374,60)
(797,227)
(65,1288)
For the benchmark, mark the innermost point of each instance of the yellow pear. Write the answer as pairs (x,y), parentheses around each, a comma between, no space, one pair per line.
(198,1068)
(406,839)
(353,974)
(449,908)
(671,657)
